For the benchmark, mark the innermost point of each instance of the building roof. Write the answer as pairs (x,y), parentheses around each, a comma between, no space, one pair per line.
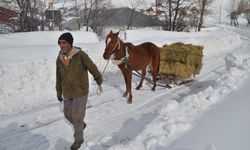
(121,17)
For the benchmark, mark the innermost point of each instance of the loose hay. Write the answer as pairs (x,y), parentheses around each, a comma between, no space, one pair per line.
(180,60)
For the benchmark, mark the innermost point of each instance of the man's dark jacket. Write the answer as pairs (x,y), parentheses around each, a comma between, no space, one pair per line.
(72,80)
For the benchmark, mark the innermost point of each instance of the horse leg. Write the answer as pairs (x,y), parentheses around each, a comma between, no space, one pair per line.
(129,78)
(142,78)
(155,69)
(154,75)
(125,79)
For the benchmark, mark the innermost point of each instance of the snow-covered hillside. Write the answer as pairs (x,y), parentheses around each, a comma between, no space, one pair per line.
(32,118)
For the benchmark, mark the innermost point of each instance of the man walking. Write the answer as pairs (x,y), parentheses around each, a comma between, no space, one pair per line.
(72,84)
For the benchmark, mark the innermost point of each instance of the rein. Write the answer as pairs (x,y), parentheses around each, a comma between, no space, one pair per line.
(125,61)
(99,87)
(150,81)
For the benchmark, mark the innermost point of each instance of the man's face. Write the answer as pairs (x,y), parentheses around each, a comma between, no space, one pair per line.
(65,46)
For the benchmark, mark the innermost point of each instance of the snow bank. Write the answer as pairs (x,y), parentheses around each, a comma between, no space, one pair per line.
(43,38)
(216,40)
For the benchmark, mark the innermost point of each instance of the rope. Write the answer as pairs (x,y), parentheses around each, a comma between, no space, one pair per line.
(150,81)
(138,73)
(105,67)
(99,87)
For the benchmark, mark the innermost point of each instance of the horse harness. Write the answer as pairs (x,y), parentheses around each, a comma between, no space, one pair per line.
(123,60)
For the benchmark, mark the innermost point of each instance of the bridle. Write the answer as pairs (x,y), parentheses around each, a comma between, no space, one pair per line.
(118,43)
(112,55)
(123,60)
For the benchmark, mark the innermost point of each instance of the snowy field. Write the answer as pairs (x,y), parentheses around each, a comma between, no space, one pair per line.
(32,118)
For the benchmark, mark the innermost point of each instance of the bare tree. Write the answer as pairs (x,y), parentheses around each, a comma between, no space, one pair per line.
(234,12)
(134,5)
(194,18)
(41,12)
(247,16)
(203,9)
(244,7)
(77,12)
(91,10)
(28,10)
(23,11)
(175,13)
(85,12)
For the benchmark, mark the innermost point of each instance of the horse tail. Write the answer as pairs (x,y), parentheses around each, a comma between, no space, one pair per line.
(156,64)
(158,59)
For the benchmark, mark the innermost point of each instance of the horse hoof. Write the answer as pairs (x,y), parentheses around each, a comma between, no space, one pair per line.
(129,101)
(137,88)
(125,94)
(153,89)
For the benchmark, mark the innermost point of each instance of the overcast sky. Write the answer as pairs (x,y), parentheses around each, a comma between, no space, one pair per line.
(120,3)
(117,3)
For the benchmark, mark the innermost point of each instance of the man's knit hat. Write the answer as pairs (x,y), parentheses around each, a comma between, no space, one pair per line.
(67,37)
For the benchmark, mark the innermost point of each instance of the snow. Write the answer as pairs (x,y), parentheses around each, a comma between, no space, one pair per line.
(227,123)
(32,118)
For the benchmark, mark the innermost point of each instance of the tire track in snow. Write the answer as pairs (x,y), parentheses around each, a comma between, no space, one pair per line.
(142,108)
(217,68)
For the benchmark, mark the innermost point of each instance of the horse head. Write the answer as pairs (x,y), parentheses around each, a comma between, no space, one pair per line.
(112,43)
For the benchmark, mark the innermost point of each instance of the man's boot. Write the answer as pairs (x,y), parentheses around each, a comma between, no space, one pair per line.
(84,125)
(76,145)
(78,141)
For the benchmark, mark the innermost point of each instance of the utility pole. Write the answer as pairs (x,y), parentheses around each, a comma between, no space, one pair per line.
(156,3)
(220,14)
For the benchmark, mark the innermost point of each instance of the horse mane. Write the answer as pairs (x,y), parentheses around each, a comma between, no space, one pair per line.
(129,45)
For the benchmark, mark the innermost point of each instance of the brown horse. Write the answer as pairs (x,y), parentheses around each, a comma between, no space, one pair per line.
(129,57)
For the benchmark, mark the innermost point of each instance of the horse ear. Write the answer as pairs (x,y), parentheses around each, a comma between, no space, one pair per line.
(117,33)
(111,32)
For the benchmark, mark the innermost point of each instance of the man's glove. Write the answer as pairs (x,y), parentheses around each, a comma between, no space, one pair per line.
(99,81)
(59,97)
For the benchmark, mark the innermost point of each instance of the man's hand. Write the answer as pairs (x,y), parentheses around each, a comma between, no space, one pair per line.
(59,97)
(99,90)
(99,81)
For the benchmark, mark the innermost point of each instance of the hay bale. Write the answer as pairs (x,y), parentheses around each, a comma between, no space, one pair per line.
(180,60)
